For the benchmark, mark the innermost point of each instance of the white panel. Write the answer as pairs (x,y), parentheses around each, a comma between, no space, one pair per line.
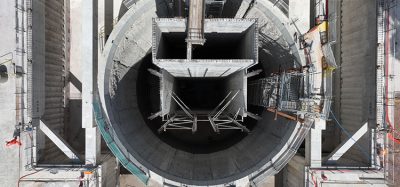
(346,145)
(59,142)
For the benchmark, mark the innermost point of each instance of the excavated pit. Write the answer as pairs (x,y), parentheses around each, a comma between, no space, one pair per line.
(130,94)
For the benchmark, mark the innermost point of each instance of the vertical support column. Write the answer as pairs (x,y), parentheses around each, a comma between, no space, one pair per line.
(89,80)
(189,51)
(101,37)
(116,8)
(105,21)
(244,7)
(92,146)
(313,144)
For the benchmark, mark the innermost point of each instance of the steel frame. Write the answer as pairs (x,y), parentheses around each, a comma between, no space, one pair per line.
(218,118)
(221,120)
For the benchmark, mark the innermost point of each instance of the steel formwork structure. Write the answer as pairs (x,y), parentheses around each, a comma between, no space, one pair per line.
(219,118)
(283,91)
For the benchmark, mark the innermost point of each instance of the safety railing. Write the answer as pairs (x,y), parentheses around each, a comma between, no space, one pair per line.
(29,39)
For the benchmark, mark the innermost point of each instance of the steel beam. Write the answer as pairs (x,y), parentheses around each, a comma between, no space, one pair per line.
(89,79)
(226,105)
(346,145)
(194,127)
(155,115)
(314,144)
(283,114)
(155,73)
(213,125)
(59,142)
(164,127)
(239,125)
(182,105)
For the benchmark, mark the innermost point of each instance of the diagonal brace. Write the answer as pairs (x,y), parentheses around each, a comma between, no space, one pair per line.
(59,142)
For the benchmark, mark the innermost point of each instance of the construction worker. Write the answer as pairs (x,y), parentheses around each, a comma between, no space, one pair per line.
(16,135)
(14,141)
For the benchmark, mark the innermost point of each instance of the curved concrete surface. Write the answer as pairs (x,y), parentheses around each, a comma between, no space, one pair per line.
(126,94)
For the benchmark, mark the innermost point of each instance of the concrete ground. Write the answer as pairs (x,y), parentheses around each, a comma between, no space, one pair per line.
(393,61)
(9,161)
(128,180)
(268,182)
(394,155)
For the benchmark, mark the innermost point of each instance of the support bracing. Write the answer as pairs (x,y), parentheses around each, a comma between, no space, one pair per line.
(154,115)
(60,143)
(222,120)
(186,119)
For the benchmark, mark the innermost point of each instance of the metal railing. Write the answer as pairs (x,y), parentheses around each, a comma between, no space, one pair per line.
(29,38)
(19,63)
(30,140)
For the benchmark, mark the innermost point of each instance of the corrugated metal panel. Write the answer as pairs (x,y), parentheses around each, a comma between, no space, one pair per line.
(358,49)
(55,63)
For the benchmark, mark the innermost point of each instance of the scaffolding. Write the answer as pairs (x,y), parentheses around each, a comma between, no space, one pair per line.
(263,92)
(282,91)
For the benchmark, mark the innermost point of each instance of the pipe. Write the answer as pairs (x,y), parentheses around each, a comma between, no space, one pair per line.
(65,166)
(284,114)
(19,180)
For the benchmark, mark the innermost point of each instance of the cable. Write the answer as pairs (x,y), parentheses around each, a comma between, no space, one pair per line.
(19,180)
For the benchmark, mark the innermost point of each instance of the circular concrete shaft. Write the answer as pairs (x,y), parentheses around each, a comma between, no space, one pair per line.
(129,94)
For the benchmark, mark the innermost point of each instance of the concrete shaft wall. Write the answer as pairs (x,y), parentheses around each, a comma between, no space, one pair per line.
(357,72)
(293,174)
(231,46)
(122,93)
(55,72)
